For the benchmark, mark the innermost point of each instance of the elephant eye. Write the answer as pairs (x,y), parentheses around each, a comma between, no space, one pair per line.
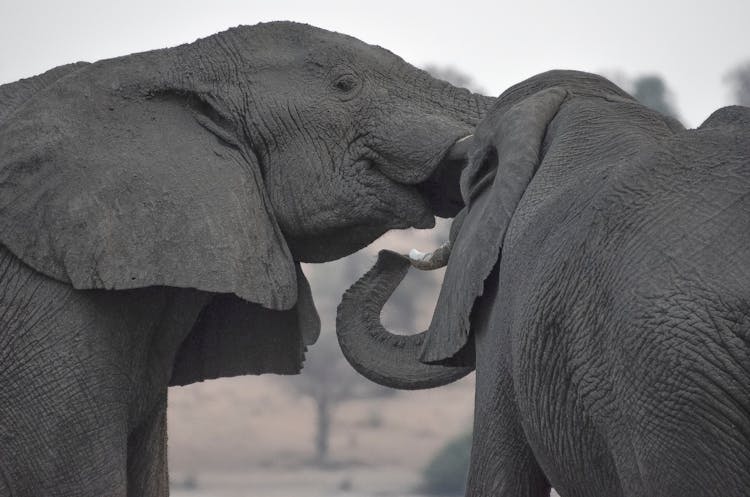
(345,83)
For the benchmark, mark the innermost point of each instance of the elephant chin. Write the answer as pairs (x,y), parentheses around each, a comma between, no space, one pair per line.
(329,247)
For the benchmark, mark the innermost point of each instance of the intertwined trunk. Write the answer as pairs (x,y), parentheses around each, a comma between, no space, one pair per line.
(379,355)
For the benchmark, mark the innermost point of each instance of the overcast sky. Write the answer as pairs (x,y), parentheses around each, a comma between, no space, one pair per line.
(692,44)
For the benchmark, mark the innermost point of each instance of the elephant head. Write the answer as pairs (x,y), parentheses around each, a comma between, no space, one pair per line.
(507,149)
(222,164)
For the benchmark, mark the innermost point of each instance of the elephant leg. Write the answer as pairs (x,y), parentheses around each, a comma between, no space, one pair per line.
(147,455)
(4,485)
(502,462)
(61,432)
(69,458)
(83,376)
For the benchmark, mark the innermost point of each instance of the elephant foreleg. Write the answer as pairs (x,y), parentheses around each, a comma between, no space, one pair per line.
(147,455)
(61,431)
(502,463)
(4,485)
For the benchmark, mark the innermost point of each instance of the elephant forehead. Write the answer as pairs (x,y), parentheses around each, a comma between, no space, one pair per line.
(282,43)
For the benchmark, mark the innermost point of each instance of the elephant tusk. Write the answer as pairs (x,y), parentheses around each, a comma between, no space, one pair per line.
(460,149)
(430,260)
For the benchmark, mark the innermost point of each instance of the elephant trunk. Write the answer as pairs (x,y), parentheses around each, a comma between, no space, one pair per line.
(376,353)
(383,357)
(462,103)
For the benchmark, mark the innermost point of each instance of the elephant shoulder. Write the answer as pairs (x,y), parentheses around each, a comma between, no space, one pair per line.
(14,95)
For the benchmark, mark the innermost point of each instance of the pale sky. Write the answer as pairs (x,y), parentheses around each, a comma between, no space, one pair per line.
(691,44)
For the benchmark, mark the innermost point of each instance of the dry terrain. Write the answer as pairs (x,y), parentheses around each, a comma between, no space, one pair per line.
(253,432)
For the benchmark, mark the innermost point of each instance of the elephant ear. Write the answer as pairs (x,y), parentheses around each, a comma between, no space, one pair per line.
(508,150)
(234,337)
(104,184)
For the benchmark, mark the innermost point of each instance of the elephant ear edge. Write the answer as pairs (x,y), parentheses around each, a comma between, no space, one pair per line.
(106,185)
(233,337)
(507,153)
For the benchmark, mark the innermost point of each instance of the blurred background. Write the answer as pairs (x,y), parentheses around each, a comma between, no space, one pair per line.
(329,432)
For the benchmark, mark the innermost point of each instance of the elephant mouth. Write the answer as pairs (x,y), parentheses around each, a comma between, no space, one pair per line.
(437,195)
(442,190)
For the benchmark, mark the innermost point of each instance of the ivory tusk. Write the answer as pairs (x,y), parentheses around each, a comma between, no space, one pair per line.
(416,255)
(430,260)
(460,149)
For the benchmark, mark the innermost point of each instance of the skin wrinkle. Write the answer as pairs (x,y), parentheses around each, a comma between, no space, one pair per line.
(702,348)
(232,51)
(27,357)
(40,316)
(5,481)
(9,293)
(292,110)
(281,129)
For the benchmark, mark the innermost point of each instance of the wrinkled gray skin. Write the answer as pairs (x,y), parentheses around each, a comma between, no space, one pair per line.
(611,337)
(153,212)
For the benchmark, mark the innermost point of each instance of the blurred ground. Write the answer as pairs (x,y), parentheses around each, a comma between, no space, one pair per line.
(248,436)
(306,482)
(241,423)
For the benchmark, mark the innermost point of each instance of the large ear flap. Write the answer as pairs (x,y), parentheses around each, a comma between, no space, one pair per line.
(508,150)
(104,184)
(233,337)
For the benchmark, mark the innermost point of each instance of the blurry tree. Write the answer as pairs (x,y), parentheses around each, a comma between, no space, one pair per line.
(326,377)
(446,473)
(454,77)
(329,380)
(652,92)
(739,79)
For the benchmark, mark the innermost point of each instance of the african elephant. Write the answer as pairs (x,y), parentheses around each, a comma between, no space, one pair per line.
(154,209)
(599,282)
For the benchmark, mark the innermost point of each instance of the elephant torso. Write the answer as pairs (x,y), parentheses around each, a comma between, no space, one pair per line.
(624,293)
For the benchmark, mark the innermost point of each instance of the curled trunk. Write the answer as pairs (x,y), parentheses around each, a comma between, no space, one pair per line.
(376,353)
